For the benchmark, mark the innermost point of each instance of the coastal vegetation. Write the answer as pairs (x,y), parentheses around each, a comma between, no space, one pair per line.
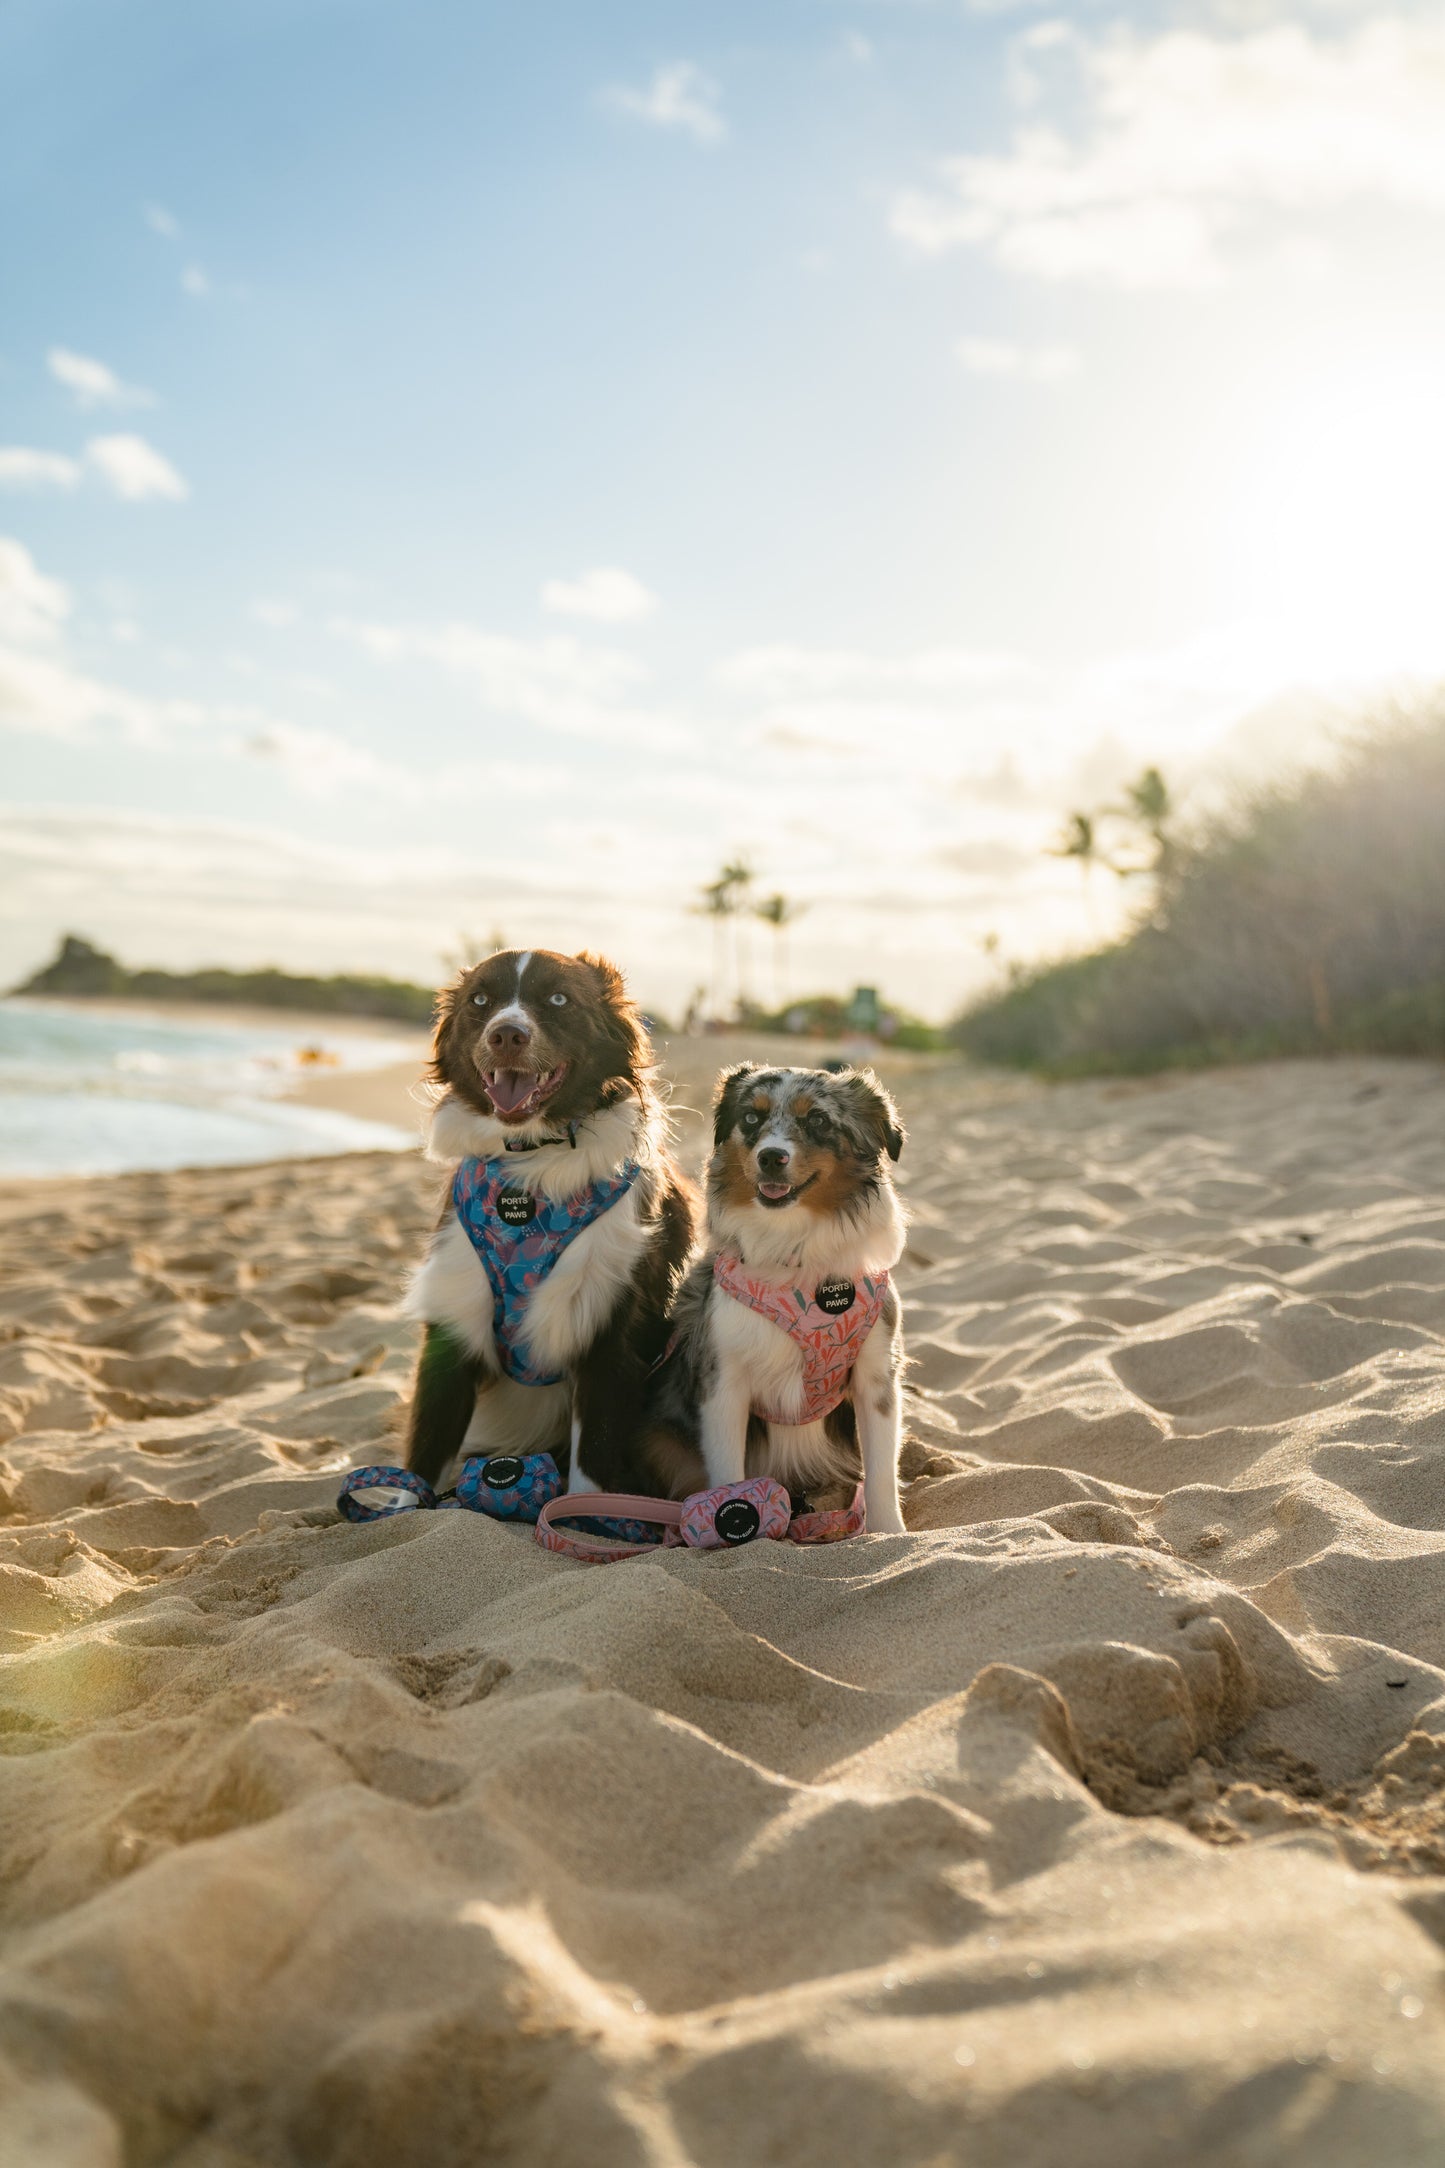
(1309,918)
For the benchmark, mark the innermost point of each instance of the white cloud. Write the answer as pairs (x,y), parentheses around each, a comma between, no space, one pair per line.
(1188,145)
(23,468)
(321,762)
(185,893)
(276,614)
(160,221)
(855,47)
(134,469)
(784,671)
(1033,364)
(679,96)
(45,697)
(128,465)
(558,683)
(91,383)
(44,694)
(606,594)
(195,281)
(32,607)
(882,720)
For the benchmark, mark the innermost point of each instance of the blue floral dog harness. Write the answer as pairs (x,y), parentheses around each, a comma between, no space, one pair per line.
(519,1238)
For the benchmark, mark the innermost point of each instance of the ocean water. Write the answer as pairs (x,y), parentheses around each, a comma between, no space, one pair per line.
(85,1091)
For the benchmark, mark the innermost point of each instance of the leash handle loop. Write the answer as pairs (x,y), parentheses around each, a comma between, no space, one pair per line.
(606,1506)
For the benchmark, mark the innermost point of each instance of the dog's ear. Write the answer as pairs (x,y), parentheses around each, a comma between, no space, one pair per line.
(622,1028)
(614,986)
(725,1100)
(876,1114)
(451,1001)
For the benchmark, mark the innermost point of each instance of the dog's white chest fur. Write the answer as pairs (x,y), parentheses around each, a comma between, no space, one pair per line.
(770,1357)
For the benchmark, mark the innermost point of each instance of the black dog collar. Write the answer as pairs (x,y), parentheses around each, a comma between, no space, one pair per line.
(515,1144)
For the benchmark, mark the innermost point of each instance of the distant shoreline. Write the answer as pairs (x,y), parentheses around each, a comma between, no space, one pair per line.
(177,1009)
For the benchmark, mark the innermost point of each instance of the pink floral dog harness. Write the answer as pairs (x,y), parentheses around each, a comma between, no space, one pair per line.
(829,1327)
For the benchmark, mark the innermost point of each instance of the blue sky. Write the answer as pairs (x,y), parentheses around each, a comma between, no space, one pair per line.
(470,468)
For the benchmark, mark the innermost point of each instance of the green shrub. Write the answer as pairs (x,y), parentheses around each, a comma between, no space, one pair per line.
(1312,919)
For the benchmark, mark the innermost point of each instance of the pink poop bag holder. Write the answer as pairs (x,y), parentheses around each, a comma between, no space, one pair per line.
(614,1525)
(710,1520)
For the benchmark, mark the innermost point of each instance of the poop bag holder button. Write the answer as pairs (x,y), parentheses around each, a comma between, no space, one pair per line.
(503,1471)
(734,1513)
(737,1520)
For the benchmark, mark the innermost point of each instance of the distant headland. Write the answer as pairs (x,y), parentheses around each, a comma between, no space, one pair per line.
(80,971)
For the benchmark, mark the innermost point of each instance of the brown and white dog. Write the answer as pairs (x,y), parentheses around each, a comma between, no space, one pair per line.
(803,1221)
(550,1122)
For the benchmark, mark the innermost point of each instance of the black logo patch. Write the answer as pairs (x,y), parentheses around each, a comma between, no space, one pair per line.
(737,1520)
(503,1472)
(836,1296)
(515,1207)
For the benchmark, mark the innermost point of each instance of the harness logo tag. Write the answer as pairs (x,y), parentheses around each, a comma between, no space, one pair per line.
(502,1471)
(836,1296)
(515,1207)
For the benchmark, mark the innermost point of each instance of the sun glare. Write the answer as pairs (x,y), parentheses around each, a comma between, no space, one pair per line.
(1336,520)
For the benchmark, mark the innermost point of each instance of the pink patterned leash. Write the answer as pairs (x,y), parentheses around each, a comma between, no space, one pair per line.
(710,1520)
(605,1505)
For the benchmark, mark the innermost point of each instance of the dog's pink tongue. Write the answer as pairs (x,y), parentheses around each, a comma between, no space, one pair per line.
(509,1087)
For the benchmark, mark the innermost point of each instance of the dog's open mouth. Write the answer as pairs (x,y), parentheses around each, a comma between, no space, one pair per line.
(776,1194)
(516,1093)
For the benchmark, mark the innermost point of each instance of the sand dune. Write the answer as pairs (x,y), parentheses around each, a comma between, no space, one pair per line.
(1099,1821)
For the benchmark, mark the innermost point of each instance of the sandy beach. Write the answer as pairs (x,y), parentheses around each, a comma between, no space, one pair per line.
(1098,1821)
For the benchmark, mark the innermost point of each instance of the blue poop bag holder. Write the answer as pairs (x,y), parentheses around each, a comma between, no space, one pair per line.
(506,1486)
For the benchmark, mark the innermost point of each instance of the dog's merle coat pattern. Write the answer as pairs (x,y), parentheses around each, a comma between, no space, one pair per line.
(799,1189)
(546,1068)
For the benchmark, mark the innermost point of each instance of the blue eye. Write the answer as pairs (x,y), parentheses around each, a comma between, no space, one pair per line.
(480,1000)
(559,1001)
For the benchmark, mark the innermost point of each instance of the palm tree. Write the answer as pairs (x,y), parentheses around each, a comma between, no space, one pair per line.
(737,877)
(779,913)
(1080,840)
(716,904)
(1149,806)
(720,900)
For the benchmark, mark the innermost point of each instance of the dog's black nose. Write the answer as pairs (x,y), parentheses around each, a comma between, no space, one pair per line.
(508,1038)
(772,1160)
